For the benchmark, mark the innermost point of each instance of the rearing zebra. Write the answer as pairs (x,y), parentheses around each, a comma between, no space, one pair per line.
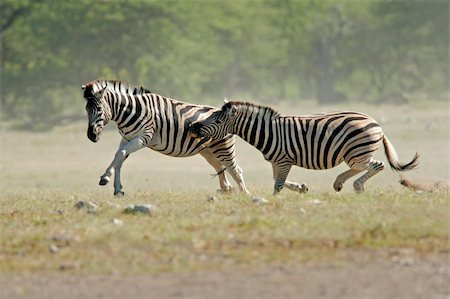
(146,119)
(319,141)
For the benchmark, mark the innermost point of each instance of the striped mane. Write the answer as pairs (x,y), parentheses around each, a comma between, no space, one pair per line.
(255,107)
(95,86)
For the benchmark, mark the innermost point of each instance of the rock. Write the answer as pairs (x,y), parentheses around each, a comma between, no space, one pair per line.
(63,240)
(87,205)
(259,200)
(211,198)
(314,201)
(117,222)
(69,266)
(53,248)
(403,261)
(302,211)
(147,209)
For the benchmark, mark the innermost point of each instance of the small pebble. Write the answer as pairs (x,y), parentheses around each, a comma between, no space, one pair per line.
(53,248)
(87,205)
(117,222)
(143,208)
(211,198)
(259,200)
(314,201)
(403,261)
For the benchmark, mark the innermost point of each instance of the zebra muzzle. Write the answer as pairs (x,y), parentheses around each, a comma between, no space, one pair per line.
(194,130)
(93,134)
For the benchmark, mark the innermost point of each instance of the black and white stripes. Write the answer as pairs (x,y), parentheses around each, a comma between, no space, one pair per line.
(146,119)
(319,141)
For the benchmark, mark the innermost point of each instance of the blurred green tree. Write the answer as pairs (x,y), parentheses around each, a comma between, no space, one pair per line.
(200,51)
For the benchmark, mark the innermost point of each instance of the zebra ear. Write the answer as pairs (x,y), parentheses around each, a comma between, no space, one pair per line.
(99,95)
(225,101)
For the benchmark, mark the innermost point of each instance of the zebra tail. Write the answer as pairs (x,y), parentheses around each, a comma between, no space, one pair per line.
(392,157)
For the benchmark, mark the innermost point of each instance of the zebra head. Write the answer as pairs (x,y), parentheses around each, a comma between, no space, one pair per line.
(96,110)
(217,125)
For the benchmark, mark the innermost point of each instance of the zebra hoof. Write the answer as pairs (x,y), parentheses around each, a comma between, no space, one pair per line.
(338,186)
(119,194)
(103,181)
(303,189)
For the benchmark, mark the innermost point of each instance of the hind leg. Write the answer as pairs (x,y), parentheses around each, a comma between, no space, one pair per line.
(373,168)
(219,167)
(293,186)
(236,172)
(343,177)
(225,154)
(280,173)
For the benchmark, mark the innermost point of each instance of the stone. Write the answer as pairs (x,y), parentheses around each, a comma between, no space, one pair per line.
(117,222)
(146,209)
(53,248)
(314,201)
(259,200)
(90,207)
(211,198)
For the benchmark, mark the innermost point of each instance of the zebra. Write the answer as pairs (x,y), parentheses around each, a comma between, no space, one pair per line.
(320,141)
(147,119)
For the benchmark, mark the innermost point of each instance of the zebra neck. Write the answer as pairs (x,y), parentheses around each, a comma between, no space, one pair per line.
(112,103)
(121,106)
(256,126)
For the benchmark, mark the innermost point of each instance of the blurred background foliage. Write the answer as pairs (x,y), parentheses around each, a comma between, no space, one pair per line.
(200,51)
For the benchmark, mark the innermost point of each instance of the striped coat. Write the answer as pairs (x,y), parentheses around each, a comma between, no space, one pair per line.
(320,141)
(146,119)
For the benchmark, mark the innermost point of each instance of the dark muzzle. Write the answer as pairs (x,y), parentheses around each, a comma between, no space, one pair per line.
(194,129)
(91,134)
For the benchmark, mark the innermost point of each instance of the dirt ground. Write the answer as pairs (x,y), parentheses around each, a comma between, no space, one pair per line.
(393,276)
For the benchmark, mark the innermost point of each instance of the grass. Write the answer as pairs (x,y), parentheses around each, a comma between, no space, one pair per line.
(188,233)
(44,172)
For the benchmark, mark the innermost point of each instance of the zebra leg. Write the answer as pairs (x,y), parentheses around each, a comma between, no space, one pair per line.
(236,173)
(280,173)
(293,186)
(343,177)
(372,169)
(117,183)
(301,188)
(225,154)
(223,181)
(125,149)
(105,178)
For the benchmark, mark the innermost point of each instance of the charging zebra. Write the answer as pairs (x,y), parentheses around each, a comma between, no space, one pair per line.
(319,141)
(146,119)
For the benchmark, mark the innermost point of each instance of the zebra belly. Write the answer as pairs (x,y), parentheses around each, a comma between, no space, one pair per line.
(318,167)
(181,146)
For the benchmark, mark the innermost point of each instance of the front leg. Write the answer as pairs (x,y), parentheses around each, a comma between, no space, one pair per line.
(125,149)
(105,178)
(301,188)
(117,182)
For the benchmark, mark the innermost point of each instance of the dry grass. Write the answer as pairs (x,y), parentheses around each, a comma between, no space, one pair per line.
(46,172)
(187,233)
